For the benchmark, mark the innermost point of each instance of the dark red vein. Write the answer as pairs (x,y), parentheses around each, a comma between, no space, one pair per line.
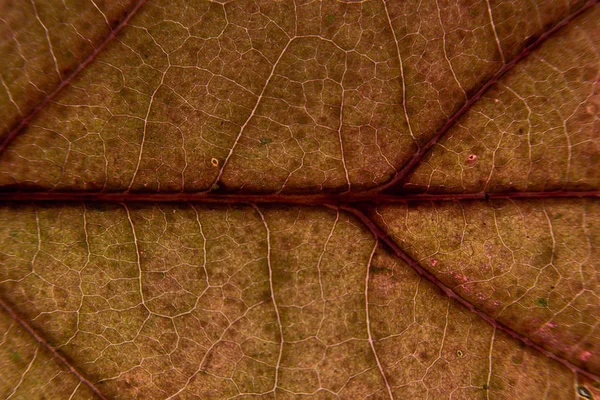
(382,235)
(50,348)
(301,199)
(416,159)
(65,82)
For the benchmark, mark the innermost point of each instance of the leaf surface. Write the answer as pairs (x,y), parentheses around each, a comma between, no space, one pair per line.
(283,199)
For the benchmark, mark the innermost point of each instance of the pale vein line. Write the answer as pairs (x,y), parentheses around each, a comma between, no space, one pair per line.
(548,380)
(101,12)
(10,95)
(87,262)
(75,390)
(262,217)
(5,334)
(47,38)
(39,239)
(203,249)
(371,343)
(489,7)
(198,297)
(337,217)
(237,139)
(529,140)
(569,145)
(564,119)
(493,163)
(342,122)
(442,344)
(590,245)
(445,54)
(137,256)
(489,378)
(401,71)
(24,373)
(139,161)
(551,230)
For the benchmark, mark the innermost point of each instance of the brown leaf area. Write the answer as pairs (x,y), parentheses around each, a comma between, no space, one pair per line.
(299,199)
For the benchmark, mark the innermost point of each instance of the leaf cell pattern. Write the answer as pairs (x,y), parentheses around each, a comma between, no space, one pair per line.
(299,199)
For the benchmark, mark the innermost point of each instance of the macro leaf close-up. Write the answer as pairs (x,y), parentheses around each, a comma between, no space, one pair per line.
(277,199)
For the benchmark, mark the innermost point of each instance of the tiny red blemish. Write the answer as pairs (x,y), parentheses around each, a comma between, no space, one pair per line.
(585,355)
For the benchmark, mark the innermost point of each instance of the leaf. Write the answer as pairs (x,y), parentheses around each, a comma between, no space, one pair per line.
(299,199)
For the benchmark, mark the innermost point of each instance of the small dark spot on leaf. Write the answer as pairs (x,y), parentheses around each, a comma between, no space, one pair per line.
(541,301)
(423,356)
(471,159)
(485,386)
(472,12)
(517,360)
(330,18)
(459,354)
(15,356)
(376,269)
(584,392)
(266,140)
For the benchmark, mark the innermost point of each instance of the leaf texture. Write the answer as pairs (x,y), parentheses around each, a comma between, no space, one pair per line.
(294,199)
